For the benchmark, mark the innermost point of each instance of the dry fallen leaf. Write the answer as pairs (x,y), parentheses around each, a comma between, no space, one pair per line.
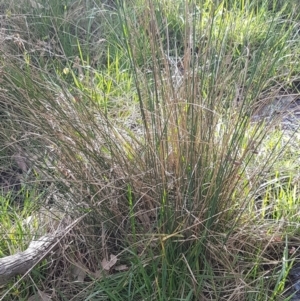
(78,273)
(35,4)
(99,274)
(121,267)
(40,296)
(107,265)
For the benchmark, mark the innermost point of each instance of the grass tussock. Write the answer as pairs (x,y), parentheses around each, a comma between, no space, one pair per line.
(150,138)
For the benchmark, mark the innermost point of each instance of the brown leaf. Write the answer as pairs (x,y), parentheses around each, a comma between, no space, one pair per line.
(40,296)
(107,265)
(21,162)
(121,267)
(78,273)
(99,274)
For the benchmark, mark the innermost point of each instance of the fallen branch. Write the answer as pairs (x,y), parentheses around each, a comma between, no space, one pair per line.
(22,262)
